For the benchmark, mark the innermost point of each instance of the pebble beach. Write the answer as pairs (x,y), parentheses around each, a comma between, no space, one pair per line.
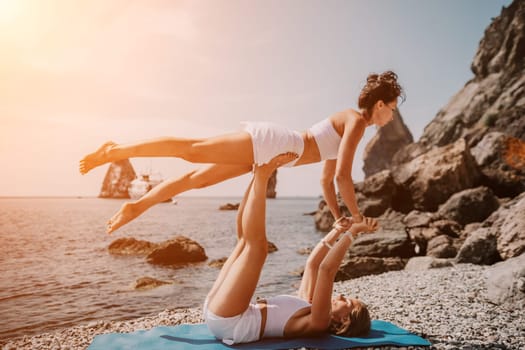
(447,306)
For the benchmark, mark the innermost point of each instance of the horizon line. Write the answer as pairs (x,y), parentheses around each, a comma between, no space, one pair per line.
(96,197)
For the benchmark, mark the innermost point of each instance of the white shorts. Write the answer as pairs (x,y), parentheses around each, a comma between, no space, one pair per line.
(270,140)
(243,328)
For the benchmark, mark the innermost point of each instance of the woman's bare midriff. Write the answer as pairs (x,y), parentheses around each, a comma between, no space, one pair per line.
(311,150)
(264,311)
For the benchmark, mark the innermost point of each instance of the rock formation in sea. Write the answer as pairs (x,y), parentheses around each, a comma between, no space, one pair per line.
(129,246)
(218,263)
(173,252)
(178,250)
(386,142)
(457,195)
(147,283)
(270,193)
(229,206)
(272,184)
(117,180)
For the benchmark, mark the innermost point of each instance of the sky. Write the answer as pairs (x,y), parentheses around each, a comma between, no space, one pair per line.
(75,73)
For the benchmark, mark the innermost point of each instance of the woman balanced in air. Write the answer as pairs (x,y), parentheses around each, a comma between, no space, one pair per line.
(228,311)
(333,140)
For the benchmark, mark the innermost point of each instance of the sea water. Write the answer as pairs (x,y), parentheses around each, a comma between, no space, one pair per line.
(56,271)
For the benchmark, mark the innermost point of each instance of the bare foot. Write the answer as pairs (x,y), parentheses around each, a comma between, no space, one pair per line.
(99,157)
(126,213)
(267,169)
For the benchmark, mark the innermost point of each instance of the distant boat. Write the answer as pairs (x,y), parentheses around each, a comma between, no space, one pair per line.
(143,184)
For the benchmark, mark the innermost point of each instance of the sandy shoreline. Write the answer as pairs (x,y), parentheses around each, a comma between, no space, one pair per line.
(446,306)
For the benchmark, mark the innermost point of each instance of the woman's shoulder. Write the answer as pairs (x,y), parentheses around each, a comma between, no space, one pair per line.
(346,118)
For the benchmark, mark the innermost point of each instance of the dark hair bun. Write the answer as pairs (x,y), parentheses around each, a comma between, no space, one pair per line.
(388,76)
(382,86)
(372,78)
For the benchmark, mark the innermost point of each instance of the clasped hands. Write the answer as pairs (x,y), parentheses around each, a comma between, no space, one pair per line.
(345,223)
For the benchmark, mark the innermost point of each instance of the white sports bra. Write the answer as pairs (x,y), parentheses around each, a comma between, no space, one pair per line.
(279,310)
(327,139)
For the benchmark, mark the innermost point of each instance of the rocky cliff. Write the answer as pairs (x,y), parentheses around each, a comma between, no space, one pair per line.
(459,192)
(494,100)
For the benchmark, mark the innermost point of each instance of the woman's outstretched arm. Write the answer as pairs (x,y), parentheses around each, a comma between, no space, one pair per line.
(311,269)
(354,130)
(328,186)
(322,296)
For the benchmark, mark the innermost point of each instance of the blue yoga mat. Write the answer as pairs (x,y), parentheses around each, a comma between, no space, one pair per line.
(197,337)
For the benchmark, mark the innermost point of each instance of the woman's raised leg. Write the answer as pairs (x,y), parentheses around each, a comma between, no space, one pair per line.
(238,247)
(233,295)
(235,148)
(200,178)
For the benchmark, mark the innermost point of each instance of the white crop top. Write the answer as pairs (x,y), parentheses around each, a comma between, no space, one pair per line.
(279,310)
(327,139)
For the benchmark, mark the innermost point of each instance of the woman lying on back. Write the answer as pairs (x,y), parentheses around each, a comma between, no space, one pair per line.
(228,310)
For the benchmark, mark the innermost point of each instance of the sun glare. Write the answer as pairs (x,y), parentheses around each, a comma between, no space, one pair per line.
(10,10)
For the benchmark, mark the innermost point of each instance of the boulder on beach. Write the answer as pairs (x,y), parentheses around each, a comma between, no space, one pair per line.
(433,177)
(467,206)
(508,225)
(375,194)
(447,227)
(442,246)
(506,281)
(383,244)
(418,218)
(501,159)
(479,248)
(359,266)
(419,263)
(424,227)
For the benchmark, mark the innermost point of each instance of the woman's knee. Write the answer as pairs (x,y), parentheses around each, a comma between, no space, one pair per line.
(257,247)
(193,151)
(196,180)
(201,179)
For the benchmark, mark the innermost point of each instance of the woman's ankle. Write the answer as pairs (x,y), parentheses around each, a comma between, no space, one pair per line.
(113,153)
